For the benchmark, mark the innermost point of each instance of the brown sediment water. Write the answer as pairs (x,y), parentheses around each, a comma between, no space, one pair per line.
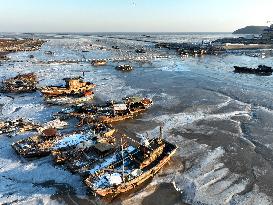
(165,194)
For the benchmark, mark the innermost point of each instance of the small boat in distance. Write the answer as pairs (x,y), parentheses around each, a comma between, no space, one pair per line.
(115,47)
(124,67)
(141,50)
(261,70)
(49,52)
(99,62)
(20,84)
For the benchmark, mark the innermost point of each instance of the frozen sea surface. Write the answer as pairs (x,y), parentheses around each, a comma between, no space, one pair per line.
(221,121)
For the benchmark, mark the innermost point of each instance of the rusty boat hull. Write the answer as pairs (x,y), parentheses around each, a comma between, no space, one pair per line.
(98,62)
(148,173)
(57,91)
(34,146)
(20,84)
(73,86)
(68,100)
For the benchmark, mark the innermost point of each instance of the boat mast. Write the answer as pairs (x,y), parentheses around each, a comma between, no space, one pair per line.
(122,155)
(160,132)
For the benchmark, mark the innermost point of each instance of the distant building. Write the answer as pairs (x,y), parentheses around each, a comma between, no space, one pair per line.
(268,33)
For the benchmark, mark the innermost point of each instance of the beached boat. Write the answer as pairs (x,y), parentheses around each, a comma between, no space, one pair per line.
(20,126)
(84,155)
(133,166)
(108,113)
(72,140)
(16,126)
(3,57)
(55,124)
(104,115)
(99,129)
(69,142)
(141,50)
(192,51)
(124,67)
(115,47)
(71,98)
(21,83)
(50,141)
(38,145)
(115,113)
(99,62)
(81,111)
(261,70)
(84,110)
(73,86)
(49,52)
(137,104)
(126,110)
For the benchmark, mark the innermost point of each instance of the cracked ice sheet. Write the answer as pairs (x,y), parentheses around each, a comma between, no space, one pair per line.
(29,107)
(206,180)
(190,116)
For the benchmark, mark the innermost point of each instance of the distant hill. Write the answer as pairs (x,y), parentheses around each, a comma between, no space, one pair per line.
(251,30)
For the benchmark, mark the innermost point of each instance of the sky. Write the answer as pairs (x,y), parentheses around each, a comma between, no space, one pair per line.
(132,15)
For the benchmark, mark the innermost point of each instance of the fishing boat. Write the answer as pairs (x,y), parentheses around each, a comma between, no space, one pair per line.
(124,68)
(138,104)
(261,70)
(115,47)
(38,145)
(73,99)
(73,86)
(71,141)
(115,113)
(20,83)
(106,113)
(49,52)
(124,110)
(84,155)
(99,62)
(134,165)
(3,57)
(56,124)
(109,112)
(16,126)
(84,112)
(141,50)
(99,129)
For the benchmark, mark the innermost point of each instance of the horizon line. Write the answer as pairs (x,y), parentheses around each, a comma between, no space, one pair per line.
(66,32)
